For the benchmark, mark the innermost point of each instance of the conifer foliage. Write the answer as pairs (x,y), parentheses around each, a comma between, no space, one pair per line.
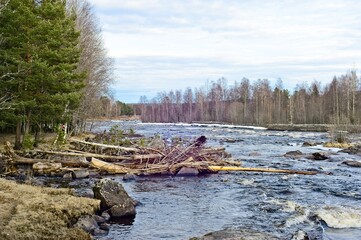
(39,56)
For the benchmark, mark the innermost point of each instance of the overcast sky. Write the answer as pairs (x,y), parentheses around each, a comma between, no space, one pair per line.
(159,45)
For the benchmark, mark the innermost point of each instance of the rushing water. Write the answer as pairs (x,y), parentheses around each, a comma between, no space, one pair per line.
(286,206)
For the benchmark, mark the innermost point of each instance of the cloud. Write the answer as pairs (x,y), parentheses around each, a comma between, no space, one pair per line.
(163,44)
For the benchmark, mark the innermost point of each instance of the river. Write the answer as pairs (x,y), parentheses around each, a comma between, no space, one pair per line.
(287,206)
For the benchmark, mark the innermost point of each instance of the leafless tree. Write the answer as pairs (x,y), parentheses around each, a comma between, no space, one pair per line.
(93,61)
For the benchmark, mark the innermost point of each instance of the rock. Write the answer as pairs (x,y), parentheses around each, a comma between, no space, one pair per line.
(122,210)
(188,171)
(106,216)
(88,224)
(352,163)
(68,176)
(309,144)
(83,173)
(98,219)
(319,156)
(236,234)
(112,196)
(353,150)
(296,153)
(100,232)
(129,177)
(104,226)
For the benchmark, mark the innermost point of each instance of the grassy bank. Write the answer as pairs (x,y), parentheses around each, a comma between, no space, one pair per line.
(29,212)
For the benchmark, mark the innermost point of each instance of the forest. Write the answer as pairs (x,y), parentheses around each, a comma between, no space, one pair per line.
(55,72)
(54,69)
(258,103)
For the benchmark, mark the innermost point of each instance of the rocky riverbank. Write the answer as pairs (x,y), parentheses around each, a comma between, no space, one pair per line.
(33,212)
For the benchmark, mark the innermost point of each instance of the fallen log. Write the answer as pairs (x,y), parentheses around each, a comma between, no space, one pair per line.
(231,168)
(109,167)
(18,160)
(85,154)
(104,146)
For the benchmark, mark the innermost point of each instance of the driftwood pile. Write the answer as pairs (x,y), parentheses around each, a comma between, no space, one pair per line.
(188,159)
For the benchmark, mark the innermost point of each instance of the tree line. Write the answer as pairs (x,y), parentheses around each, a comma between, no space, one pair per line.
(54,68)
(258,103)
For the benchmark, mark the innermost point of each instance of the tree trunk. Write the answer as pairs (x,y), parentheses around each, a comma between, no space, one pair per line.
(18,136)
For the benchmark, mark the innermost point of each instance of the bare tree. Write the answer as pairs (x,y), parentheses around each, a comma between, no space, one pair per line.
(93,61)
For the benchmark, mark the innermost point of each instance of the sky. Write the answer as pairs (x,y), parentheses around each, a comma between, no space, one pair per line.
(163,45)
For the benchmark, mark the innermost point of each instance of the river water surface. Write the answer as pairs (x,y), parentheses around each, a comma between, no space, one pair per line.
(287,206)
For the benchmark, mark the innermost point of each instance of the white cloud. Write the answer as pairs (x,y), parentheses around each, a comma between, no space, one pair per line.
(296,40)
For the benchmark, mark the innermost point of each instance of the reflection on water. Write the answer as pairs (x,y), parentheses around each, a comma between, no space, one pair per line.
(284,205)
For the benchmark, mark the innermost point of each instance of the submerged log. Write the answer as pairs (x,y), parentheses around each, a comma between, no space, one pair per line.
(230,168)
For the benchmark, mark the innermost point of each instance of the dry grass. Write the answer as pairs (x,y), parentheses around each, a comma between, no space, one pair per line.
(28,212)
(337,145)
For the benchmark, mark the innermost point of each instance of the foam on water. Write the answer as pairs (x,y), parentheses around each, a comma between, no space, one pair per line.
(340,217)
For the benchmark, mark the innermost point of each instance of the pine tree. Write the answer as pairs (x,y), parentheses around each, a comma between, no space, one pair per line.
(38,58)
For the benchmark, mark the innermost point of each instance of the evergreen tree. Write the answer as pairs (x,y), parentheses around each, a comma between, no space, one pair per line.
(38,58)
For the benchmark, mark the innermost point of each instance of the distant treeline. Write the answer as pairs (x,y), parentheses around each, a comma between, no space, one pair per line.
(258,103)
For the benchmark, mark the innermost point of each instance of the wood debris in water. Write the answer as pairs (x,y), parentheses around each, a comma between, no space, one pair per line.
(158,159)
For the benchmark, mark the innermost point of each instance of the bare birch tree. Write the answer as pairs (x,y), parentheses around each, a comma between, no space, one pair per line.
(93,60)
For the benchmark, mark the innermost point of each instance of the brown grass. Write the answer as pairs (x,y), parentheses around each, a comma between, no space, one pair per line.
(28,212)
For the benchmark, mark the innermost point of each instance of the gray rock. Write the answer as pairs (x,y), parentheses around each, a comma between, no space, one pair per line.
(114,199)
(122,210)
(296,153)
(352,163)
(100,232)
(68,176)
(99,219)
(104,226)
(237,234)
(87,223)
(83,173)
(188,171)
(129,177)
(106,216)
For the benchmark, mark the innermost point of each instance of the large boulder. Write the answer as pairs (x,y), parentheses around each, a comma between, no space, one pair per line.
(237,234)
(114,199)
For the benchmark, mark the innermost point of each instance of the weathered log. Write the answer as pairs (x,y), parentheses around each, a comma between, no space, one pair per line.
(42,168)
(229,168)
(85,154)
(16,159)
(147,157)
(109,167)
(104,146)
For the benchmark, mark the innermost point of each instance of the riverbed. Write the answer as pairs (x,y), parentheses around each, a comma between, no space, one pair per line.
(323,206)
